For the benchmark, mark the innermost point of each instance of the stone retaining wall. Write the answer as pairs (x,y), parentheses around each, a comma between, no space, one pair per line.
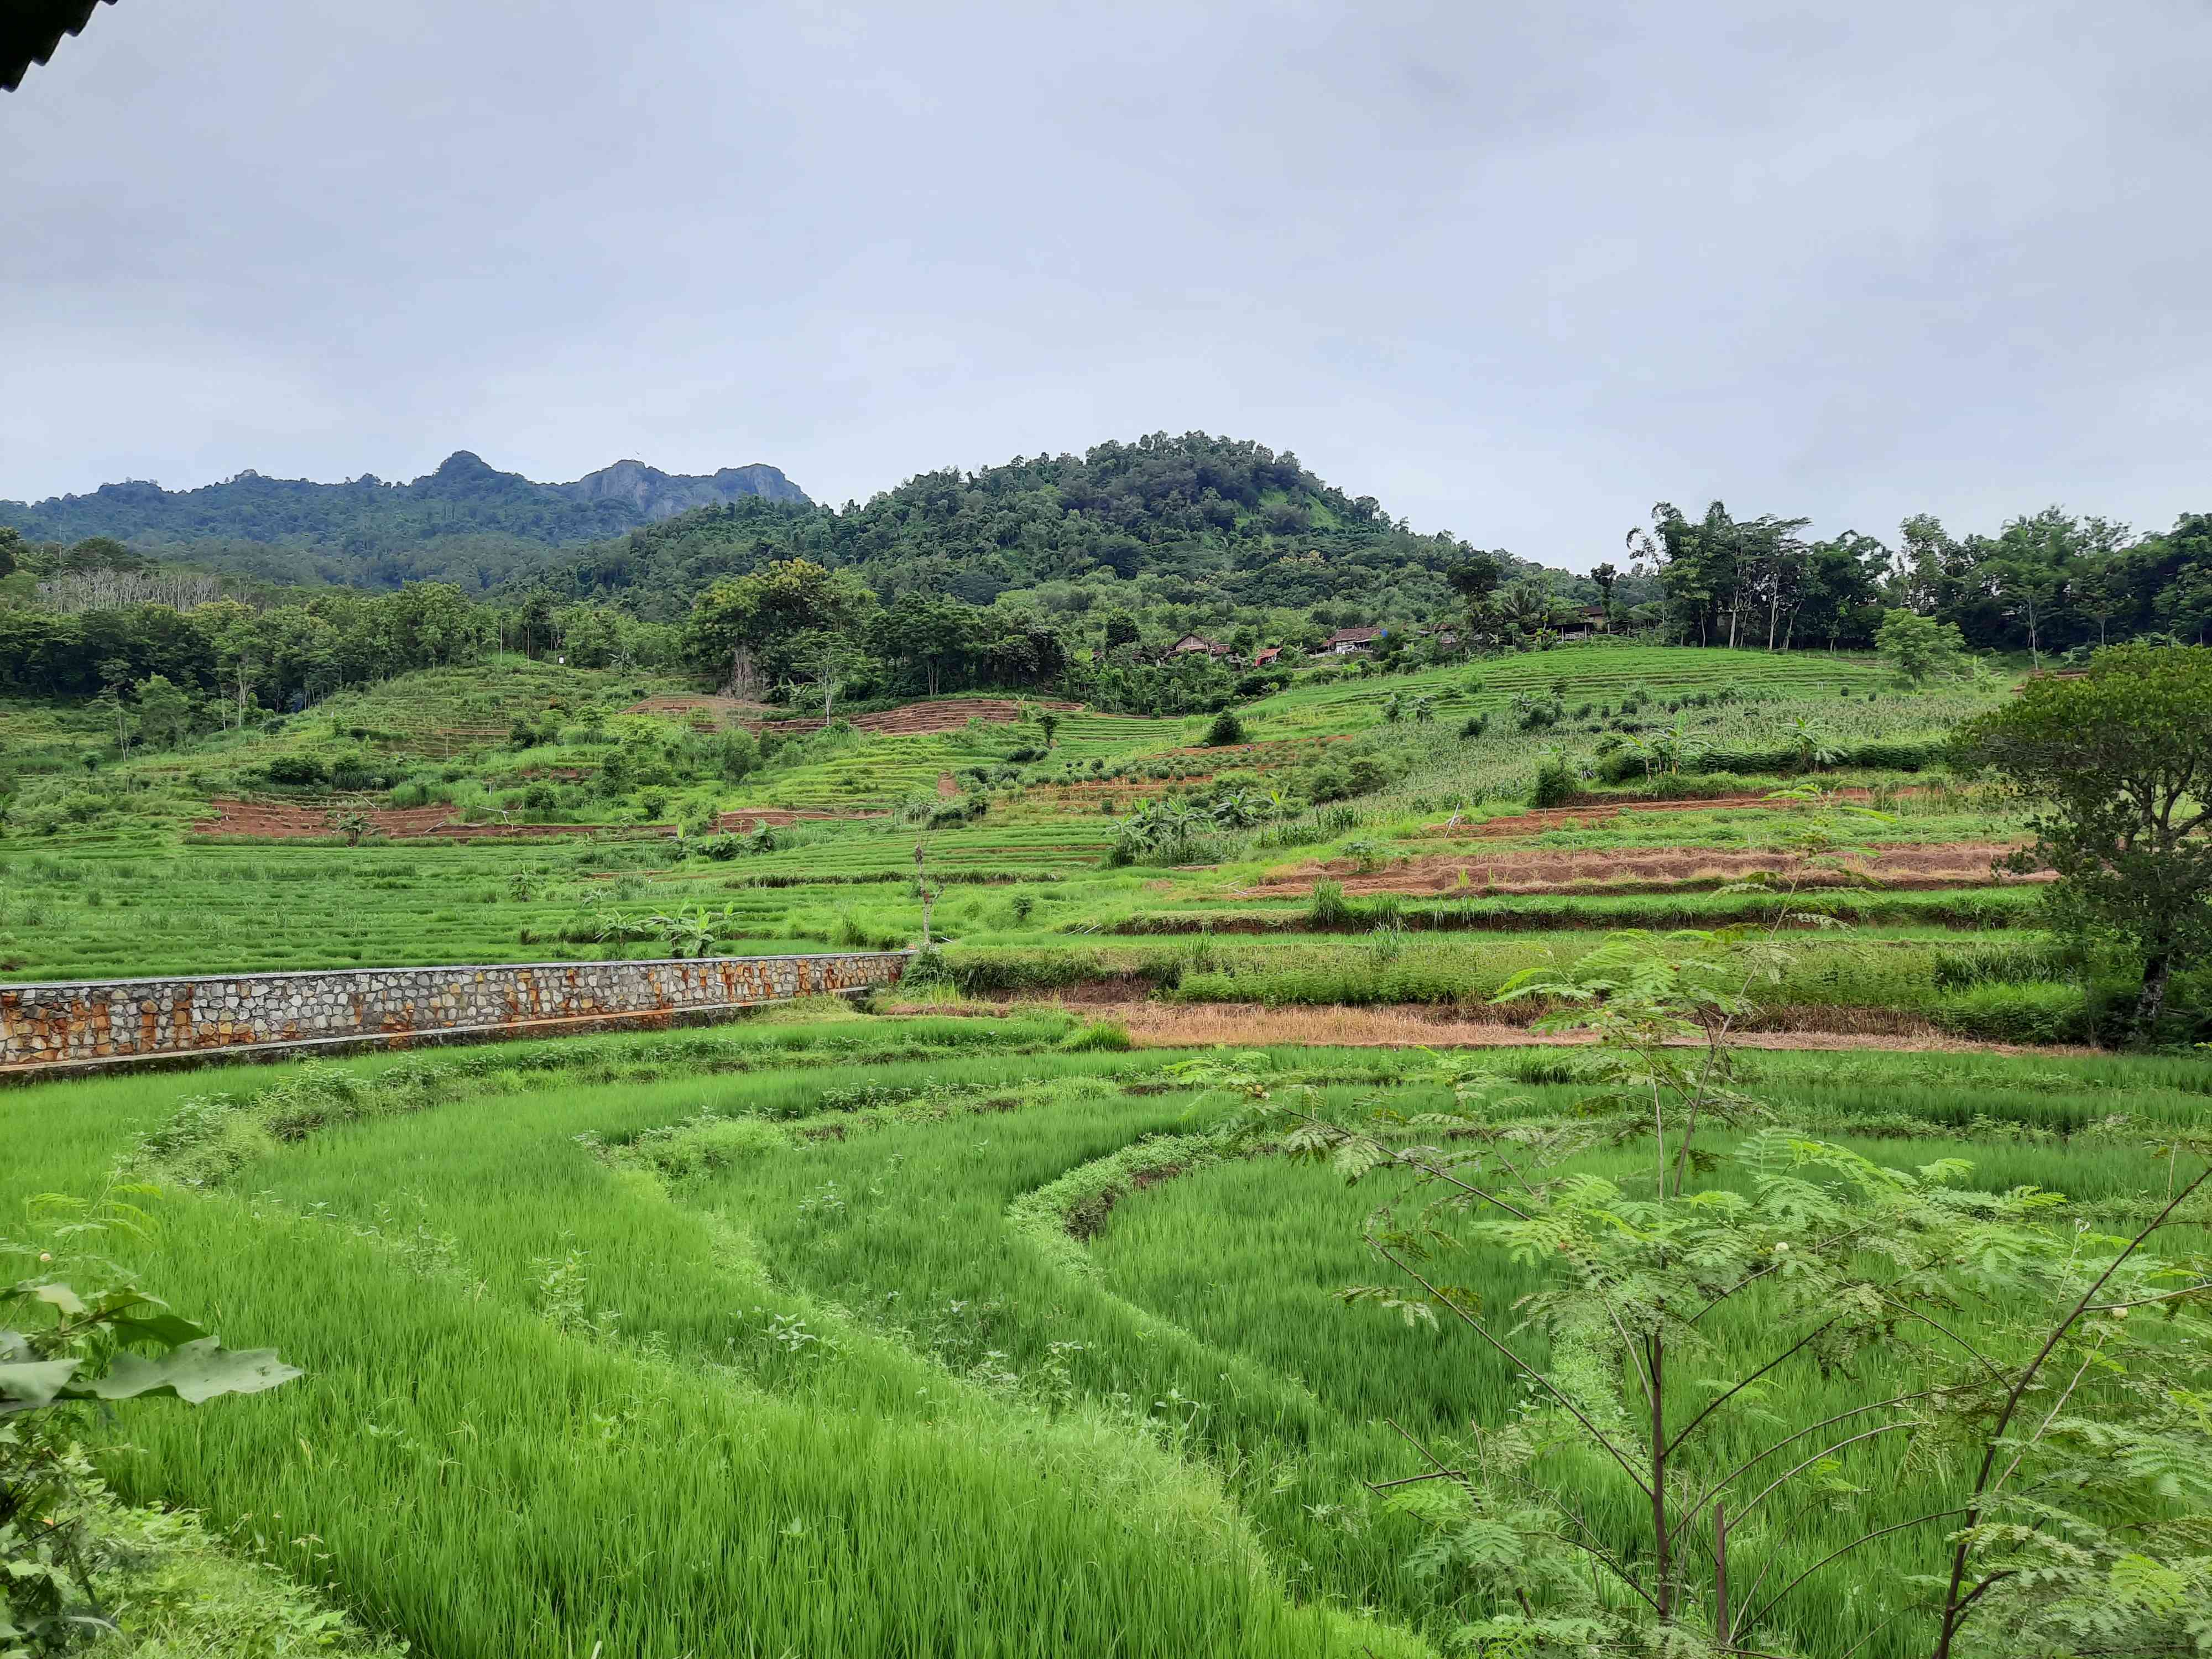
(106,1020)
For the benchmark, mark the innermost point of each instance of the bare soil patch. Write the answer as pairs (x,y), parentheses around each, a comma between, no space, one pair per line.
(929,716)
(289,821)
(1536,873)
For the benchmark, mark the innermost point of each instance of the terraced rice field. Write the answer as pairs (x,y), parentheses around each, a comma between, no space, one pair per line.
(880,1337)
(1599,673)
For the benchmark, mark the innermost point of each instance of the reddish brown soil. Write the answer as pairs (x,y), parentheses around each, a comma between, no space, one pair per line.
(281,821)
(1084,796)
(937,714)
(1647,869)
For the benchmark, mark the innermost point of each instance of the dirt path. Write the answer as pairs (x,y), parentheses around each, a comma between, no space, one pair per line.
(1250,1025)
(1916,866)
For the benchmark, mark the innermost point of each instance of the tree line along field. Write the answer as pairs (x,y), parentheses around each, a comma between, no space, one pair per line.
(830,1334)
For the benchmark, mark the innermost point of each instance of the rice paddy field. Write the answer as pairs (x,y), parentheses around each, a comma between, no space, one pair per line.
(951,1324)
(829,1332)
(1371,841)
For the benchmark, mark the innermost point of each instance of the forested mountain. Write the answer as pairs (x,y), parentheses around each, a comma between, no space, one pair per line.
(466,523)
(1197,523)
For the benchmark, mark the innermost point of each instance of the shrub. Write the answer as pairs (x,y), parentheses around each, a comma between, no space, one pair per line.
(947,815)
(1474,725)
(299,771)
(353,770)
(1327,782)
(1555,784)
(736,755)
(1367,774)
(1226,731)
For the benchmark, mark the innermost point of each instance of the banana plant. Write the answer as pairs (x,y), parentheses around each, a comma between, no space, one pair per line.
(1814,748)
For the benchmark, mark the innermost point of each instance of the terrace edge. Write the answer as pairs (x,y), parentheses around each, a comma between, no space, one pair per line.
(65,1027)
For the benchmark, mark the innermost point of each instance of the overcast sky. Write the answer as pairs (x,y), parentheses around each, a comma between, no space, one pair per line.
(1517,271)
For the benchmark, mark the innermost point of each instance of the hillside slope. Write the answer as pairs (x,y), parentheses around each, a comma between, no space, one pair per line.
(1192,520)
(466,522)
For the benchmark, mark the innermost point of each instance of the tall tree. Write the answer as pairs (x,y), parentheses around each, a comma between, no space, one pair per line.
(744,629)
(2117,767)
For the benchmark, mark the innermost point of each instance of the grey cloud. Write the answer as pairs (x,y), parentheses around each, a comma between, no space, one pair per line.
(1518,272)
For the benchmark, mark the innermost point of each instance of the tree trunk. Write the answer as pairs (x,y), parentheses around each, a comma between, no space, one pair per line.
(1662,1562)
(2156,971)
(1720,1577)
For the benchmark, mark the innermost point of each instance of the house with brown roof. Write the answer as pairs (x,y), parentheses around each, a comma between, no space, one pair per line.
(1350,641)
(1192,644)
(1261,658)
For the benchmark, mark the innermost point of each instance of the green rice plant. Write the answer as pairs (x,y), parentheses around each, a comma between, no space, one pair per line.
(1328,908)
(838,1313)
(1100,1037)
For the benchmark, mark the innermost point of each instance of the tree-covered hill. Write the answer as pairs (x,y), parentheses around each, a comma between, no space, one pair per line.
(1192,521)
(466,523)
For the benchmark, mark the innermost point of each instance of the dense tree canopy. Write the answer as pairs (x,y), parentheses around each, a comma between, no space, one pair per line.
(1163,522)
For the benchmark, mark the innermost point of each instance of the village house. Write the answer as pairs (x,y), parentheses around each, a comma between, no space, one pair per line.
(1192,644)
(1591,619)
(1261,658)
(1350,641)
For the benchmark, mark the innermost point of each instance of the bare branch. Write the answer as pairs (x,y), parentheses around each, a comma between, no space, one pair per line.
(1520,1364)
(1768,1606)
(1685,1433)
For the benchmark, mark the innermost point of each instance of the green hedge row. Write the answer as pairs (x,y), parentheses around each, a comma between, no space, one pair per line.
(1623,768)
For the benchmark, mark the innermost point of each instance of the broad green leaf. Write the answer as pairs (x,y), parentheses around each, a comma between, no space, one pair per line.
(26,1384)
(194,1372)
